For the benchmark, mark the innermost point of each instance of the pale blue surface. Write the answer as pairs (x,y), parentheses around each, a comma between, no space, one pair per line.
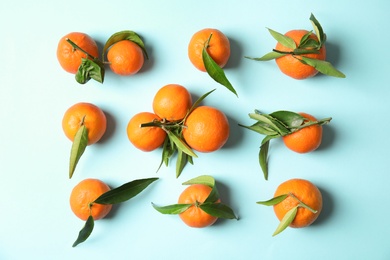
(350,168)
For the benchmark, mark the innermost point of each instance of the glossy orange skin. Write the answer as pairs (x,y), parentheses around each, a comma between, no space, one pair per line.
(92,117)
(145,138)
(206,129)
(125,58)
(306,192)
(306,139)
(85,193)
(172,102)
(290,65)
(218,49)
(69,57)
(195,216)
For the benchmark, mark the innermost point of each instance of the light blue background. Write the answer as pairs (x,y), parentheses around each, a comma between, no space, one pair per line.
(350,168)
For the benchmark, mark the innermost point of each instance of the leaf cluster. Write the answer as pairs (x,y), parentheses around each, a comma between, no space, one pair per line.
(213,69)
(114,196)
(93,67)
(174,143)
(290,215)
(277,124)
(306,45)
(210,205)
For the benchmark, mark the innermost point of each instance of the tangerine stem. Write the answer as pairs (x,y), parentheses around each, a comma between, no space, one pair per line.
(74,45)
(318,122)
(298,51)
(82,120)
(207,43)
(301,204)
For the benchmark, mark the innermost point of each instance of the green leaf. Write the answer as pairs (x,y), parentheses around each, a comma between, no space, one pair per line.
(182,159)
(172,209)
(310,44)
(203,179)
(181,145)
(269,56)
(208,181)
(288,118)
(265,120)
(199,100)
(215,72)
(286,221)
(213,196)
(168,151)
(322,66)
(125,35)
(273,201)
(318,29)
(261,128)
(304,39)
(263,158)
(85,232)
(283,39)
(218,210)
(90,69)
(79,144)
(124,192)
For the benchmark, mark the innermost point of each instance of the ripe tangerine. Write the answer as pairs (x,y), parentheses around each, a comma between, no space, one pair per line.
(290,64)
(206,129)
(218,47)
(84,194)
(125,58)
(69,57)
(306,192)
(194,216)
(306,139)
(87,114)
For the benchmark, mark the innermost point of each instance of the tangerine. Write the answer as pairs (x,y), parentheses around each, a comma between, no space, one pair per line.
(86,114)
(218,47)
(83,196)
(172,102)
(194,216)
(306,139)
(70,58)
(145,138)
(206,129)
(306,192)
(125,58)
(290,64)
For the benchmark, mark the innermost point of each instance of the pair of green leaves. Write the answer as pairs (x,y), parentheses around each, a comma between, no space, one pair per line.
(114,196)
(174,141)
(210,205)
(290,215)
(93,68)
(277,124)
(307,45)
(213,69)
